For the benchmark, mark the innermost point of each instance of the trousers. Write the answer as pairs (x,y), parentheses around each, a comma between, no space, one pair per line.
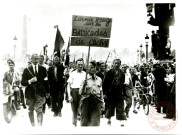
(36,104)
(90,111)
(75,104)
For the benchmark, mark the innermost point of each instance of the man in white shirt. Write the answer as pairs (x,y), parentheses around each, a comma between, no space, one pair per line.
(92,97)
(75,79)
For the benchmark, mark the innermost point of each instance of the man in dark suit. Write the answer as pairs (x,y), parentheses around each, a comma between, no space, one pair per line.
(159,73)
(56,82)
(113,89)
(154,43)
(33,78)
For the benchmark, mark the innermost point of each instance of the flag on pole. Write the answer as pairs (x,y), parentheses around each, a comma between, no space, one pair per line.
(68,47)
(149,7)
(74,59)
(59,41)
(82,55)
(67,54)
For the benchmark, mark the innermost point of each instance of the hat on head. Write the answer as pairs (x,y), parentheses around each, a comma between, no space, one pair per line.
(10,62)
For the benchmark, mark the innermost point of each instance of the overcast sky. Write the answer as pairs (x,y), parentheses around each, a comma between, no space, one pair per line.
(129,22)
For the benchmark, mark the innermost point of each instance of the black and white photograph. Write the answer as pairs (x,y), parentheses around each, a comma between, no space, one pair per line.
(90,67)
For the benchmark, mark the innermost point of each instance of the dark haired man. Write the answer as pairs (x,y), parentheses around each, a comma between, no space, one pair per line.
(160,85)
(74,82)
(102,70)
(113,87)
(56,82)
(101,73)
(92,97)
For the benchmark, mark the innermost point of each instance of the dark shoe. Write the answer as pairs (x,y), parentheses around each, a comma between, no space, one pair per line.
(168,117)
(134,111)
(24,106)
(174,118)
(158,110)
(122,125)
(75,124)
(109,122)
(127,116)
(18,107)
(124,118)
(59,114)
(55,115)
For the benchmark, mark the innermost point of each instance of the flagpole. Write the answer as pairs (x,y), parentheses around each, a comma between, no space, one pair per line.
(105,65)
(87,67)
(56,27)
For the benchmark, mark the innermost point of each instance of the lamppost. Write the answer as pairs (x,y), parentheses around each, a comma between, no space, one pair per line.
(141,53)
(137,56)
(45,50)
(14,46)
(146,41)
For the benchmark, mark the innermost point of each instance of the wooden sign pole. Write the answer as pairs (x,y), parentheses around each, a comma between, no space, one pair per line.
(87,66)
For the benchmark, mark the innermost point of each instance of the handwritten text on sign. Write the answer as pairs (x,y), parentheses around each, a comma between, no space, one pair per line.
(92,41)
(91,26)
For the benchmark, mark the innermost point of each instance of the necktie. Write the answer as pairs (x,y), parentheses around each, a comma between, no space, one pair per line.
(35,70)
(93,77)
(55,72)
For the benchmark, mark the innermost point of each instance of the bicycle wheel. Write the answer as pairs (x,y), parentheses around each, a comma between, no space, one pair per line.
(149,97)
(13,108)
(7,113)
(145,105)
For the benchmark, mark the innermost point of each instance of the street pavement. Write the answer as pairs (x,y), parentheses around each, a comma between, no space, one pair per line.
(136,123)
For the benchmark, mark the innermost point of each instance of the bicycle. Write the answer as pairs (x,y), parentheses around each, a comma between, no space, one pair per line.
(142,98)
(9,108)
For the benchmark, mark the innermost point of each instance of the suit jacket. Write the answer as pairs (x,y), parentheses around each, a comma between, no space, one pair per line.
(109,88)
(36,87)
(56,84)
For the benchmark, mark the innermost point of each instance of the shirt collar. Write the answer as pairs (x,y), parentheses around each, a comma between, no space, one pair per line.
(10,72)
(79,72)
(90,77)
(35,65)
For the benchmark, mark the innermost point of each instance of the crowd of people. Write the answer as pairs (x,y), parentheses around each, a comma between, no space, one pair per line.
(95,91)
